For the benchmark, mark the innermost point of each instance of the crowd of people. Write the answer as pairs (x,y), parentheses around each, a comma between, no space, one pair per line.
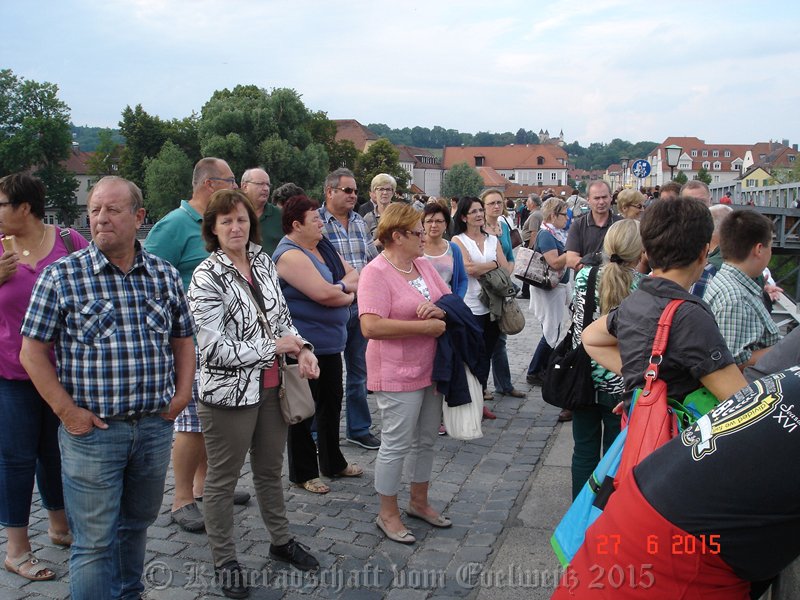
(133,355)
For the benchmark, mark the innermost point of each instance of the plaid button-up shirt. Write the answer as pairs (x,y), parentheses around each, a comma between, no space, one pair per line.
(354,244)
(111,329)
(743,320)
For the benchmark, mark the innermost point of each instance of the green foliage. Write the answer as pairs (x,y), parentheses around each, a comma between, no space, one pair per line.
(601,156)
(380,157)
(167,180)
(89,137)
(784,175)
(35,134)
(704,176)
(105,160)
(680,178)
(439,137)
(462,180)
(248,126)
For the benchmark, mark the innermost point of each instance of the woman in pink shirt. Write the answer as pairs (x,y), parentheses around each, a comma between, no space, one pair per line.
(396,296)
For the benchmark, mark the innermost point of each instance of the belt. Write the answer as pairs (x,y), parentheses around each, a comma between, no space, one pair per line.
(132,417)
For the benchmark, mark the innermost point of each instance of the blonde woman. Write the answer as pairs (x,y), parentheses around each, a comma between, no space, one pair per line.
(630,204)
(595,426)
(381,194)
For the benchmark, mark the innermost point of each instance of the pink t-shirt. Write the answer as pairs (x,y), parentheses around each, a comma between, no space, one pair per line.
(15,294)
(406,364)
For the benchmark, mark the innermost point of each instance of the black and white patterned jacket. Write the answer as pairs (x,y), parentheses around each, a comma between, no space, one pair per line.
(234,348)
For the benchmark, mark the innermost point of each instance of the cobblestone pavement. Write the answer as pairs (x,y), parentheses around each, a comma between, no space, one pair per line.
(480,485)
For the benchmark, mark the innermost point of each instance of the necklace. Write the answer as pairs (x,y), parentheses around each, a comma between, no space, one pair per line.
(395,267)
(28,252)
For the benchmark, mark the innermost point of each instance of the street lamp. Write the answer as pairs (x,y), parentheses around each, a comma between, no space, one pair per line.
(673,156)
(624,162)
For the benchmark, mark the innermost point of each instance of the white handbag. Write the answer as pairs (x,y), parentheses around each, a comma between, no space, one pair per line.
(464,422)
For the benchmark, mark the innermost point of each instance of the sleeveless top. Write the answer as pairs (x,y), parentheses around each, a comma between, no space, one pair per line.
(489,254)
(443,263)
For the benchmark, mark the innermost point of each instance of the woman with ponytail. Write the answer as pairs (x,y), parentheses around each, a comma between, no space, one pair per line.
(595,426)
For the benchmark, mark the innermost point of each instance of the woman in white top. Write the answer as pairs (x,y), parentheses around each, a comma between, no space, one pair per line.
(481,253)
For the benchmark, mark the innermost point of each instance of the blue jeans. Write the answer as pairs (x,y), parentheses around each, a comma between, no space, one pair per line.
(28,449)
(541,357)
(501,373)
(113,487)
(355,358)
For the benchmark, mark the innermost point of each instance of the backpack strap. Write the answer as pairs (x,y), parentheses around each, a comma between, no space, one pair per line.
(66,237)
(660,344)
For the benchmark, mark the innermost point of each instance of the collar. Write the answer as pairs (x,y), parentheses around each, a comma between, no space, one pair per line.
(270,210)
(253,250)
(99,261)
(664,288)
(327,216)
(741,278)
(196,216)
(591,222)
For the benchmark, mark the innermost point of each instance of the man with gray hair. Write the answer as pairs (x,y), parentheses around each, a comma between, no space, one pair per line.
(177,239)
(698,190)
(118,321)
(714,259)
(256,185)
(348,233)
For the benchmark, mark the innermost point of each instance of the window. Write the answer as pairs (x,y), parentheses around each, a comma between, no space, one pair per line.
(539,176)
(736,166)
(694,153)
(716,178)
(553,176)
(715,153)
(765,182)
(540,160)
(791,157)
(479,161)
(705,153)
(751,183)
(706,165)
(727,153)
(717,165)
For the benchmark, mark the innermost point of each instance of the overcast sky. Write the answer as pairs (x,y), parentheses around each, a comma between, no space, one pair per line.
(724,71)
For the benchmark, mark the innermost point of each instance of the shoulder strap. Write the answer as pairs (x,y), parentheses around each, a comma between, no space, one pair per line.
(66,237)
(660,342)
(589,303)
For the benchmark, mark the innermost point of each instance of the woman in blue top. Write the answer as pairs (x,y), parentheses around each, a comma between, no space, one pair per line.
(319,287)
(548,305)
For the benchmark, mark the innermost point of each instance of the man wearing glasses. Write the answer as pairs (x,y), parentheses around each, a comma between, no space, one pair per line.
(256,186)
(177,239)
(350,236)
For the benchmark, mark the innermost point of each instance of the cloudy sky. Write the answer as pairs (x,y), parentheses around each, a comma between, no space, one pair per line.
(724,71)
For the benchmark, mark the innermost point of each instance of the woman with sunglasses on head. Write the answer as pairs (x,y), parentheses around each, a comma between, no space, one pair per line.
(482,252)
(396,296)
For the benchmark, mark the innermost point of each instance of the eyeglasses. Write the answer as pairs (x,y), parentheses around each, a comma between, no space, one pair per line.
(435,222)
(498,203)
(639,206)
(347,190)
(419,234)
(259,183)
(385,190)
(561,214)
(476,211)
(230,180)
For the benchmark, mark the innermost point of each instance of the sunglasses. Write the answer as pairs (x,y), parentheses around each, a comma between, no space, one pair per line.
(419,234)
(346,190)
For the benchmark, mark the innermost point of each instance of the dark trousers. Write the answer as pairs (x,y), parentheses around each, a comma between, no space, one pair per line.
(491,333)
(541,357)
(594,428)
(327,392)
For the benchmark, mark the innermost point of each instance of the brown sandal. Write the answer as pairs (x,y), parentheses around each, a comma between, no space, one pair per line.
(352,470)
(32,568)
(315,486)
(60,539)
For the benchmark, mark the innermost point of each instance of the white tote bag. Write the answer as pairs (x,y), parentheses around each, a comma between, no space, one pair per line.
(464,422)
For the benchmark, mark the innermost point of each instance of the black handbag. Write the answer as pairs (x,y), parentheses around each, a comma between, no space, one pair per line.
(568,379)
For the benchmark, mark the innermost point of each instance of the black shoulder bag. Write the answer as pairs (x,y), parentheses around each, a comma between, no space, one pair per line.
(568,379)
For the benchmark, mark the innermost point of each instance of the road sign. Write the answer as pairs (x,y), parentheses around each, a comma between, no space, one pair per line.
(640,168)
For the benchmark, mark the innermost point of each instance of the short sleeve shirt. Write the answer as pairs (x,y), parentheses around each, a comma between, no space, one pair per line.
(546,241)
(271,228)
(695,349)
(585,237)
(177,238)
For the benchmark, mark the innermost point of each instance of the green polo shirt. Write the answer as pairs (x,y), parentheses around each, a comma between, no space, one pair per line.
(177,239)
(271,228)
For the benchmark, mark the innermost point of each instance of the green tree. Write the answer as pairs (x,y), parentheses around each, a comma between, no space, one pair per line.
(167,180)
(35,134)
(703,175)
(462,180)
(343,154)
(380,157)
(105,160)
(680,178)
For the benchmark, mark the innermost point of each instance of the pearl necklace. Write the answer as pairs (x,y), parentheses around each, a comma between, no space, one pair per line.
(28,252)
(396,268)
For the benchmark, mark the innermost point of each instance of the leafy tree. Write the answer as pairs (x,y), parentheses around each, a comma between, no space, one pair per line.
(105,160)
(380,157)
(343,154)
(89,137)
(704,176)
(521,137)
(35,134)
(462,180)
(167,180)
(680,178)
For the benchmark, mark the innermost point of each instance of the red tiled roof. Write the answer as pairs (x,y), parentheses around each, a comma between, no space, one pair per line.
(507,157)
(692,143)
(409,154)
(77,162)
(350,129)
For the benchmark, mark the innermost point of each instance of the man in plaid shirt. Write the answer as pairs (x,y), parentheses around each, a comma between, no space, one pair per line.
(122,332)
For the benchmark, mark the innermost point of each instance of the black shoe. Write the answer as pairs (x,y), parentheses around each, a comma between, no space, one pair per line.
(368,441)
(232,580)
(535,379)
(189,518)
(294,553)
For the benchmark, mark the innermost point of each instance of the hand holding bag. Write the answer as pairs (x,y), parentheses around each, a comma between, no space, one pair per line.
(531,267)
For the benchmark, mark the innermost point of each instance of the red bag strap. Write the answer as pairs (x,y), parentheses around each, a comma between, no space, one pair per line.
(660,344)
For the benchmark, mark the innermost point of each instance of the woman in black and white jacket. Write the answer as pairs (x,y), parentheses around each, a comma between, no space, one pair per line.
(243,325)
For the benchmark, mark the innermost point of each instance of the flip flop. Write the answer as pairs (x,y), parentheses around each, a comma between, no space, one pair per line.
(32,568)
(352,470)
(437,521)
(315,486)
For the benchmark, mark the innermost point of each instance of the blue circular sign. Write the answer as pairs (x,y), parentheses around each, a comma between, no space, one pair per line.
(640,168)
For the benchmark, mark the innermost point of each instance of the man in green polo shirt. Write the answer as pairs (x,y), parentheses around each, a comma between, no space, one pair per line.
(256,184)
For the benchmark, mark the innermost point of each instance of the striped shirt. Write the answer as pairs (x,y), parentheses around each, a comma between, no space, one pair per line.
(111,329)
(354,244)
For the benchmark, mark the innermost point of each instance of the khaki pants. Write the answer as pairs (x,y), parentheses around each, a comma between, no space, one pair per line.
(229,434)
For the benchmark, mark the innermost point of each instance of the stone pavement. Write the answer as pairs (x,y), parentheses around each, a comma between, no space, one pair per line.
(504,493)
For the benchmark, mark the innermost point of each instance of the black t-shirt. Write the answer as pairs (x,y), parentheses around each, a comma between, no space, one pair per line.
(733,475)
(585,237)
